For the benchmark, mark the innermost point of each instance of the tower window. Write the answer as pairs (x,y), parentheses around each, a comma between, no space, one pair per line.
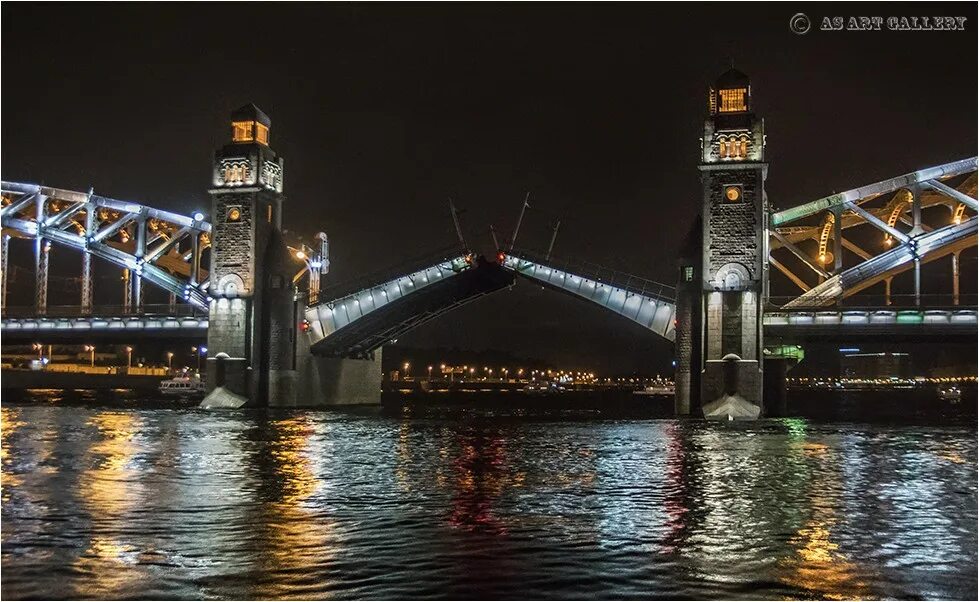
(242,131)
(733,101)
(262,134)
(268,213)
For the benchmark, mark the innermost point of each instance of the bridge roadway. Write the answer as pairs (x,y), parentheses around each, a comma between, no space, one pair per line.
(357,332)
(67,324)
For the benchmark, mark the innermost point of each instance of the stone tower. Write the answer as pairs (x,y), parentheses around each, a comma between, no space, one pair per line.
(252,299)
(735,260)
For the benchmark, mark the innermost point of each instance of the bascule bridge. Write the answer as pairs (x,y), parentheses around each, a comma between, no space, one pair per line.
(277,337)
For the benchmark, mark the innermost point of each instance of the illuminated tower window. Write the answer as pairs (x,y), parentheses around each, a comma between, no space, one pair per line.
(262,134)
(733,101)
(242,131)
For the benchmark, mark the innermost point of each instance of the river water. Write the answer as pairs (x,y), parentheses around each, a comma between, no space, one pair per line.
(108,502)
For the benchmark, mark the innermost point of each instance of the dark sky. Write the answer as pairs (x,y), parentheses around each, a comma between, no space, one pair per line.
(382,111)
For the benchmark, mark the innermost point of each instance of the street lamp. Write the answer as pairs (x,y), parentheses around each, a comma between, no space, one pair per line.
(407,367)
(40,351)
(198,352)
(169,360)
(129,357)
(429,373)
(91,350)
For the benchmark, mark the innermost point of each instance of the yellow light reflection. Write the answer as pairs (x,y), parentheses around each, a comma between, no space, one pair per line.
(817,565)
(109,489)
(296,531)
(10,423)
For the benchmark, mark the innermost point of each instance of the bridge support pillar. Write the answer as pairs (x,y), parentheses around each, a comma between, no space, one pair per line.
(42,257)
(331,381)
(917,282)
(955,278)
(91,227)
(253,316)
(137,297)
(837,241)
(86,293)
(4,262)
(127,292)
(734,259)
(687,341)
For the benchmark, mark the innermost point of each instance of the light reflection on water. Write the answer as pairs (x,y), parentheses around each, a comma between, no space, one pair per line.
(109,503)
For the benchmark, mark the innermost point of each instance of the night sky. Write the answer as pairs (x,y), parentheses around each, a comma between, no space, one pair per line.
(384,111)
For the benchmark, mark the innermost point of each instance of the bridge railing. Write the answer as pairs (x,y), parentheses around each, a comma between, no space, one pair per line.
(344,288)
(878,301)
(180,310)
(599,273)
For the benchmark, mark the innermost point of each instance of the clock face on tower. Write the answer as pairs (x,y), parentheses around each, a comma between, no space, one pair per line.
(732,193)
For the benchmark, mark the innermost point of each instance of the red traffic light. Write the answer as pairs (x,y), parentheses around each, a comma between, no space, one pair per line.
(501,257)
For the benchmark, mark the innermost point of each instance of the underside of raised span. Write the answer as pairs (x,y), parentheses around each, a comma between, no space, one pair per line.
(358,322)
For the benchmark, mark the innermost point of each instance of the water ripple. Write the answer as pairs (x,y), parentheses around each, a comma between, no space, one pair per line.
(153,503)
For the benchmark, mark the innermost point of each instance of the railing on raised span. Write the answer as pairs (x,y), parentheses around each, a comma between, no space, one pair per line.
(344,288)
(602,274)
(180,310)
(877,301)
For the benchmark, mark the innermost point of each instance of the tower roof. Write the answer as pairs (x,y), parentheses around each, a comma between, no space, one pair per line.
(732,78)
(250,112)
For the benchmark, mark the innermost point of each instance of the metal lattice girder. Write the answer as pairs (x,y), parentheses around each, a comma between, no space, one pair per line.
(925,247)
(337,314)
(645,302)
(851,196)
(54,220)
(953,193)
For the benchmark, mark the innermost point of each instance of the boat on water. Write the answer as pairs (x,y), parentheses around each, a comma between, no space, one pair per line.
(656,390)
(183,387)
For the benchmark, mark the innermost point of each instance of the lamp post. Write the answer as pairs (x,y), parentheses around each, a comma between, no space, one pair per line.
(40,351)
(91,350)
(169,360)
(317,264)
(407,367)
(129,357)
(429,373)
(198,353)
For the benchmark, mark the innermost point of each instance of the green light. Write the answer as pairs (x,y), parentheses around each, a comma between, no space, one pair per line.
(910,317)
(796,426)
